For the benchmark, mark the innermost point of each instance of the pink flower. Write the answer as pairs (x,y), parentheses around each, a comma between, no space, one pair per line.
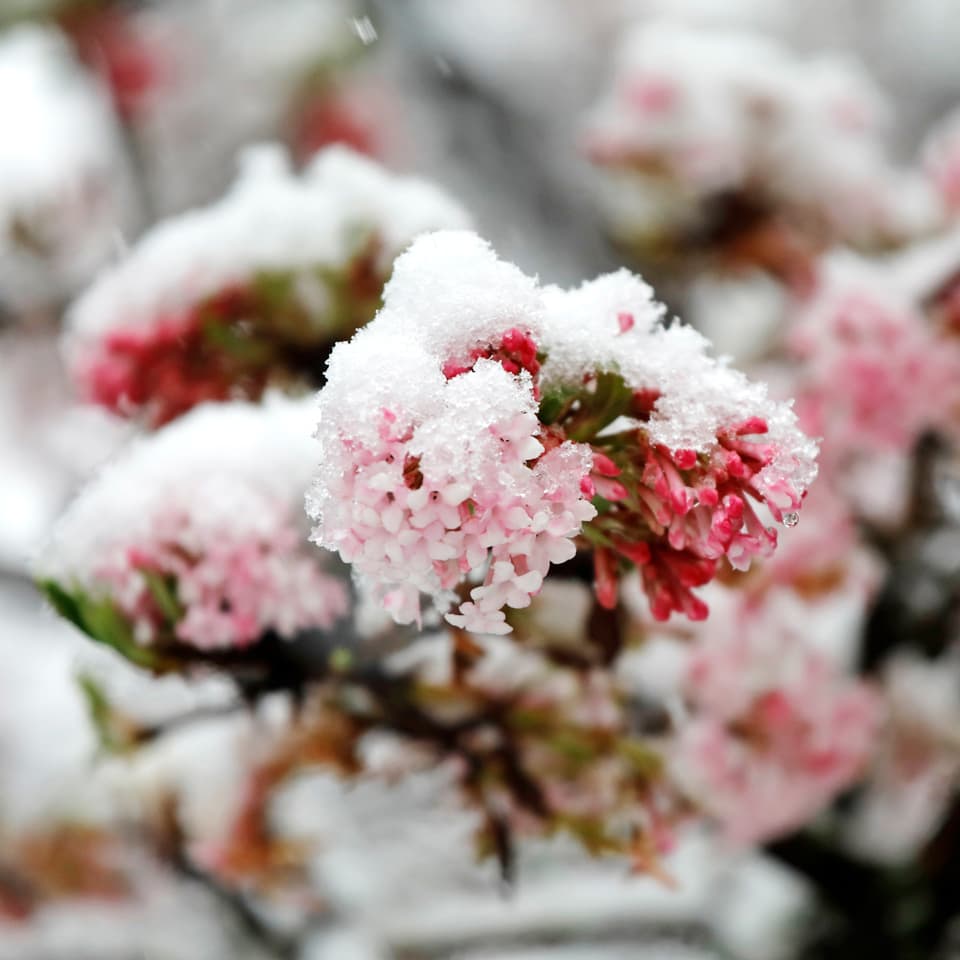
(874,375)
(414,517)
(227,587)
(193,536)
(775,733)
(679,514)
(916,774)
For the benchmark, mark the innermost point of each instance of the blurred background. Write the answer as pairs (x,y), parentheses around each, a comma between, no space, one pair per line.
(759,162)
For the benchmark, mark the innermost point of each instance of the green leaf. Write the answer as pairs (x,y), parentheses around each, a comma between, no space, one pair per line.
(62,602)
(108,626)
(341,659)
(96,699)
(244,347)
(590,832)
(100,620)
(595,536)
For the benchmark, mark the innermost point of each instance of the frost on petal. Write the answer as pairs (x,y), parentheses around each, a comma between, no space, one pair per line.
(193,536)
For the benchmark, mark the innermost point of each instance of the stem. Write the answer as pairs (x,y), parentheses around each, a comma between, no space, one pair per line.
(155,731)
(169,846)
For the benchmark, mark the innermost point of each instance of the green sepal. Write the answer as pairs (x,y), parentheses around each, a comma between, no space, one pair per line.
(610,400)
(163,591)
(555,403)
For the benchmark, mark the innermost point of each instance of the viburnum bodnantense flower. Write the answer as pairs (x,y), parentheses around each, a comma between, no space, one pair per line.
(775,730)
(873,371)
(723,140)
(193,538)
(221,302)
(482,429)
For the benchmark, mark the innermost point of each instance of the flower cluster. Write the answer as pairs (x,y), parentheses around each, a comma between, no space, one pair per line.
(481,424)
(874,373)
(439,473)
(192,538)
(776,730)
(564,755)
(704,131)
(218,303)
(63,181)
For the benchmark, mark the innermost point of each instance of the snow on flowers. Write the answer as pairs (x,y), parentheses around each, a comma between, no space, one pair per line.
(483,428)
(221,302)
(722,137)
(192,537)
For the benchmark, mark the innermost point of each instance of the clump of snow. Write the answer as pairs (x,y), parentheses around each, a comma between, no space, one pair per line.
(425,474)
(398,207)
(473,297)
(271,220)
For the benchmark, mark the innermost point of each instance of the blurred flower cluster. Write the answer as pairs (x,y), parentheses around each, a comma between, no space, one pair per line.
(483,482)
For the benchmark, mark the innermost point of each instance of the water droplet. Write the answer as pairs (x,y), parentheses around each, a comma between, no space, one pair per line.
(791,519)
